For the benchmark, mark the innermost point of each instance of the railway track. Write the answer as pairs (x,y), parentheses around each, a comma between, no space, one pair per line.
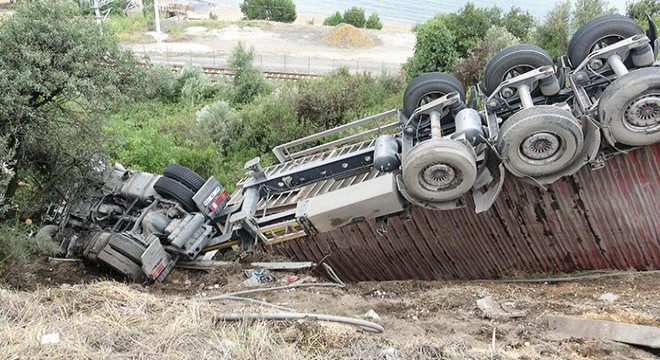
(216,72)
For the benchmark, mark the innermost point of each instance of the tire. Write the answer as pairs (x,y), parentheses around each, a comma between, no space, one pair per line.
(608,29)
(433,85)
(519,59)
(439,153)
(185,176)
(173,189)
(524,130)
(619,105)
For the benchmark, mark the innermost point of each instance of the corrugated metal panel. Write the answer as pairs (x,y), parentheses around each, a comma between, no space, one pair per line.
(608,218)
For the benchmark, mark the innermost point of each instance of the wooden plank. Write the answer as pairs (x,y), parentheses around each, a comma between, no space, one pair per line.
(647,336)
(283,265)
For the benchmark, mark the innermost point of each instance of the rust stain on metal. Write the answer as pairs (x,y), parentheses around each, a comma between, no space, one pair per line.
(596,219)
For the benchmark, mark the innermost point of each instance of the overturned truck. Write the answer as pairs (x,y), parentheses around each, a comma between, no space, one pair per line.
(572,141)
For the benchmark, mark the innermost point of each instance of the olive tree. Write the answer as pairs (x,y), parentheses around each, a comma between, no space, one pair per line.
(586,10)
(639,8)
(552,34)
(274,10)
(58,75)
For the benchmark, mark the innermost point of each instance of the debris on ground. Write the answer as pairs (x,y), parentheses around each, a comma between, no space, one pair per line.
(371,314)
(647,336)
(492,310)
(283,265)
(608,297)
(348,36)
(257,277)
(51,338)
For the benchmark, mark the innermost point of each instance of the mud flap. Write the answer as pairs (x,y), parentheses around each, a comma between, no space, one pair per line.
(490,181)
(156,262)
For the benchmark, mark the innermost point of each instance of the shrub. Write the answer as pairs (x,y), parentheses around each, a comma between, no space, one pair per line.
(334,19)
(434,48)
(355,17)
(248,80)
(193,86)
(274,10)
(374,22)
(220,122)
(16,247)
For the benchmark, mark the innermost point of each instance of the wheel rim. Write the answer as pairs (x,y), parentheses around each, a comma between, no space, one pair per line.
(605,41)
(643,113)
(541,148)
(517,71)
(429,96)
(438,176)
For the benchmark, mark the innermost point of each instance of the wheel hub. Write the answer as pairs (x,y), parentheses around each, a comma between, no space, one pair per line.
(540,146)
(438,176)
(644,112)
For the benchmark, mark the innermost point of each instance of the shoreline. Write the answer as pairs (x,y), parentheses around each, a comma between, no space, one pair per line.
(227,13)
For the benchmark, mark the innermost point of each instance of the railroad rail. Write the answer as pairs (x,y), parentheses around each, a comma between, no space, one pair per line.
(216,72)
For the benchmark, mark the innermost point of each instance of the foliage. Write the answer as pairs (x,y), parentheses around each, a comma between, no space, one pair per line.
(373,22)
(552,34)
(334,19)
(355,16)
(16,247)
(517,22)
(470,25)
(469,70)
(192,86)
(220,122)
(248,80)
(274,10)
(6,171)
(637,9)
(586,10)
(59,76)
(434,48)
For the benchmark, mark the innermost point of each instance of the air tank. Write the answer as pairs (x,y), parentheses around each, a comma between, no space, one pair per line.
(386,153)
(468,123)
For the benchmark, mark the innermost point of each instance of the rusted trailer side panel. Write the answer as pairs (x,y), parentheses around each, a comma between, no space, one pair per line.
(603,219)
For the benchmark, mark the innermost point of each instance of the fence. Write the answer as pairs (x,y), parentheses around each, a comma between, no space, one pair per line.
(267,62)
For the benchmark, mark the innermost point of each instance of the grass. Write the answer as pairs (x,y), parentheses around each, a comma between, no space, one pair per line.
(130,28)
(16,247)
(112,320)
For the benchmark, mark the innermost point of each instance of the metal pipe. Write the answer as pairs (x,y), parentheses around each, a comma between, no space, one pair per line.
(617,65)
(436,126)
(525,96)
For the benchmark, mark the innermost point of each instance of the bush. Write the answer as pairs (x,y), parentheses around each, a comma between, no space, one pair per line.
(16,248)
(274,10)
(637,9)
(552,34)
(469,70)
(334,19)
(434,48)
(355,17)
(248,80)
(374,22)
(220,122)
(193,86)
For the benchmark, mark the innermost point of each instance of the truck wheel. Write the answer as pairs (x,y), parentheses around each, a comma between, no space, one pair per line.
(439,170)
(599,33)
(173,189)
(428,87)
(511,62)
(185,176)
(629,108)
(539,141)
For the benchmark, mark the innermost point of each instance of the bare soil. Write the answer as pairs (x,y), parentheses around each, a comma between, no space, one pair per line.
(423,320)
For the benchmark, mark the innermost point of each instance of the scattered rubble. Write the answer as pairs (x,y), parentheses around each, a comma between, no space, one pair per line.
(608,297)
(493,310)
(348,36)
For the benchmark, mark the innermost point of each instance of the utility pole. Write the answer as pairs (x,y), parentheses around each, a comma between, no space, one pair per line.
(157,10)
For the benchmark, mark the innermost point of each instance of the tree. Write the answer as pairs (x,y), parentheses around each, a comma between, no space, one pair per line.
(639,8)
(517,22)
(373,22)
(435,48)
(552,34)
(248,80)
(469,70)
(586,10)
(334,19)
(274,10)
(355,17)
(59,75)
(470,25)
